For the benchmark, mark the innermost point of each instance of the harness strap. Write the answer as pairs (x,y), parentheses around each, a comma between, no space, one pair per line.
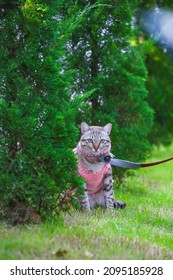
(156,162)
(129,164)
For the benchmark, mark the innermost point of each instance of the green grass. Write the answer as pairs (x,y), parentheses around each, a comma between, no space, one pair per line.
(144,230)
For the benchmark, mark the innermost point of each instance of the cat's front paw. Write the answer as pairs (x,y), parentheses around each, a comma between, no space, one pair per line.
(119,204)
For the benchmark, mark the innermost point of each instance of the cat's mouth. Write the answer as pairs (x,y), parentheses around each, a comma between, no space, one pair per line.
(97,152)
(91,154)
(94,153)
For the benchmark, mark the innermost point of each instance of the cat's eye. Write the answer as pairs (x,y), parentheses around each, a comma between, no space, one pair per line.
(103,141)
(90,140)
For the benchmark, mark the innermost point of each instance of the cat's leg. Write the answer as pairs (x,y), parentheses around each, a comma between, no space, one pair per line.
(108,189)
(119,204)
(109,192)
(84,201)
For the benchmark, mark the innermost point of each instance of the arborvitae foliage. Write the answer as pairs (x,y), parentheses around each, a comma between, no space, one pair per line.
(105,60)
(37,130)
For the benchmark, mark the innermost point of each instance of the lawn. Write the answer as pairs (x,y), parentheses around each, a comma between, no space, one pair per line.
(144,230)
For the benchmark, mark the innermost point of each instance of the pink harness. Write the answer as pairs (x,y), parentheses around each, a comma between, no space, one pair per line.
(94,181)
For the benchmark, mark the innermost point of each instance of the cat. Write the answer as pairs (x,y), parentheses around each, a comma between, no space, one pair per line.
(98,187)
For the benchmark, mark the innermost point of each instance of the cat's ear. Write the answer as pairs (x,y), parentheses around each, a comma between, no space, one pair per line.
(84,127)
(107,128)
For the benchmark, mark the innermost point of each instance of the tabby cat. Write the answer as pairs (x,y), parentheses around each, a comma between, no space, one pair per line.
(98,185)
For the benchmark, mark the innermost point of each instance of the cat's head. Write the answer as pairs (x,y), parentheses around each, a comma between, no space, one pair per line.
(95,139)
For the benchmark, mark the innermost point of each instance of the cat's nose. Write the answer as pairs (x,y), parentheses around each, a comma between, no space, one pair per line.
(96,146)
